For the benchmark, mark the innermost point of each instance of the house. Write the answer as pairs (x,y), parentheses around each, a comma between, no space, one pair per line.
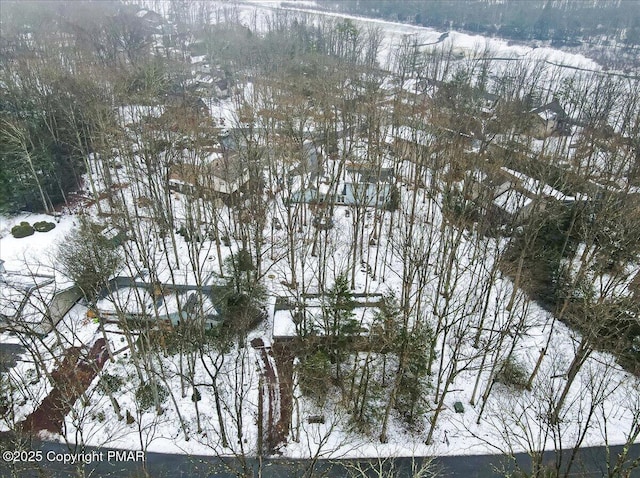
(348,194)
(217,175)
(152,18)
(550,119)
(291,320)
(366,174)
(513,204)
(186,105)
(139,302)
(24,300)
(363,194)
(410,143)
(309,161)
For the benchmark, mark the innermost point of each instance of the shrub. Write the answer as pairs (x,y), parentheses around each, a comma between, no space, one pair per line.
(195,396)
(513,374)
(43,226)
(110,384)
(146,397)
(23,229)
(4,404)
(130,418)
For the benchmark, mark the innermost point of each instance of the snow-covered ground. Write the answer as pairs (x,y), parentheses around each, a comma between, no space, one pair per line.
(395,31)
(601,381)
(513,420)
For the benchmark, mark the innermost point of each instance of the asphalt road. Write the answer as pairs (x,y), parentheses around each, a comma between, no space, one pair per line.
(591,463)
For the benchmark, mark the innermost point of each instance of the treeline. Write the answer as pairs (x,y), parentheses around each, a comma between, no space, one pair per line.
(563,22)
(63,66)
(66,67)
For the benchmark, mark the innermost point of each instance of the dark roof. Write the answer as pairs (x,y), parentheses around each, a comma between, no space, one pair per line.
(554,106)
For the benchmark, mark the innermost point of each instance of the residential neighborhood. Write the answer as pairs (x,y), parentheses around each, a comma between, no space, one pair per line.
(241,237)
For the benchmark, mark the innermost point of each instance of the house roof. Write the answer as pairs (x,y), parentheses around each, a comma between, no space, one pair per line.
(139,301)
(551,110)
(512,201)
(202,171)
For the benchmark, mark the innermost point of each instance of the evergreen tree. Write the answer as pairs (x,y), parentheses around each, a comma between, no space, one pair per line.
(339,322)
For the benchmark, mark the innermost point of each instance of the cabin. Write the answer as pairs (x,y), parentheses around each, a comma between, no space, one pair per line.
(291,320)
(363,194)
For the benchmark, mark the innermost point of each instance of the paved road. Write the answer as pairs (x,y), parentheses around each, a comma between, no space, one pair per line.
(592,464)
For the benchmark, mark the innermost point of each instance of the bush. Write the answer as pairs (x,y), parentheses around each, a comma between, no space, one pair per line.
(23,229)
(513,374)
(145,395)
(43,226)
(110,384)
(195,396)
(4,405)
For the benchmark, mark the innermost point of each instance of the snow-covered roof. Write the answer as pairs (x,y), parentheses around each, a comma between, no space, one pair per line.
(413,135)
(512,201)
(284,319)
(25,297)
(538,187)
(138,301)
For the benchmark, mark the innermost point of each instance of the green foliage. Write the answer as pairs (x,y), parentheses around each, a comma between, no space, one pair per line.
(414,384)
(146,83)
(146,395)
(338,311)
(21,230)
(562,22)
(456,208)
(241,300)
(195,396)
(314,375)
(189,233)
(88,258)
(544,242)
(513,374)
(244,261)
(386,321)
(393,203)
(44,226)
(45,133)
(110,384)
